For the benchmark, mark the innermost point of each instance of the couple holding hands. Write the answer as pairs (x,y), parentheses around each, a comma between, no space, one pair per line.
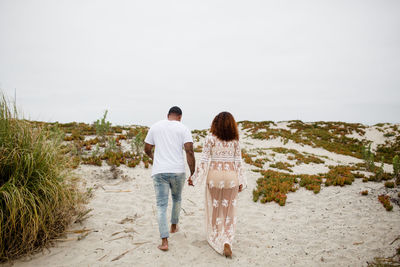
(220,167)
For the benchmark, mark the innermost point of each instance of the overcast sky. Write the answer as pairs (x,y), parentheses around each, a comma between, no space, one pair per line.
(261,60)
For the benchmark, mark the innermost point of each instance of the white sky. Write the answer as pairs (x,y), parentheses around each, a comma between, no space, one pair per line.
(261,60)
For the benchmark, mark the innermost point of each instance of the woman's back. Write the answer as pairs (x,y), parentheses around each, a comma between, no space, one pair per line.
(222,154)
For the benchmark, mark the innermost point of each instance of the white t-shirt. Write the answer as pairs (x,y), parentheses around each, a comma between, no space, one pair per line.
(168,137)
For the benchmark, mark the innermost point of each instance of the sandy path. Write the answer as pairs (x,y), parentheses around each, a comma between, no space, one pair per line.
(338,226)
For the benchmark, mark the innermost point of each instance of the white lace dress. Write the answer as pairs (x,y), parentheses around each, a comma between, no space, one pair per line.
(221,165)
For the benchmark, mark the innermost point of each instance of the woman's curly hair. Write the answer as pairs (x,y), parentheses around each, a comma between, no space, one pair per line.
(225,127)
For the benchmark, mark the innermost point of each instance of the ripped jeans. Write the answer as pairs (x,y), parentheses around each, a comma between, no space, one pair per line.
(162,183)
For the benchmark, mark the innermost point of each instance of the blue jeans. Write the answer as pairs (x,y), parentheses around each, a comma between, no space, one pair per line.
(162,183)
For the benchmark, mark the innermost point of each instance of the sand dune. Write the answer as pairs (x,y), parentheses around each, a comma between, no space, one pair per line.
(337,227)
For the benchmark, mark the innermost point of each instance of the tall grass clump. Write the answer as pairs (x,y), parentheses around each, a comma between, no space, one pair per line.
(37,196)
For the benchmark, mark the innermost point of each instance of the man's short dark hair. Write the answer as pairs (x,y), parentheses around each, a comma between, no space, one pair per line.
(175,110)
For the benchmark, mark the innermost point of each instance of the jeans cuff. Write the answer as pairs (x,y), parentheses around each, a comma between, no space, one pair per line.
(166,236)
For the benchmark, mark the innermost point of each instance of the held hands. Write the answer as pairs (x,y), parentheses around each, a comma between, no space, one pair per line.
(190,181)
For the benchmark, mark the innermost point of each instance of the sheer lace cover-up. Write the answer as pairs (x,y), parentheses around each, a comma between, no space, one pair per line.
(220,166)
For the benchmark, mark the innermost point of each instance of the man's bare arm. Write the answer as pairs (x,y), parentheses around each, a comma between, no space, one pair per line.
(190,157)
(148,149)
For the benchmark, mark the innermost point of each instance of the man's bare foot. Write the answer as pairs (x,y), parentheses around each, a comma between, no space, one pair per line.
(227,251)
(174,228)
(164,245)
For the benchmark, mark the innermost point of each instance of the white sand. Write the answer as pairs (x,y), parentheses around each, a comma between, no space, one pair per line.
(337,227)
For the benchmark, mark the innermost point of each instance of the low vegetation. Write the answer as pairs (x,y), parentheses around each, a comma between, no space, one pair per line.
(106,146)
(301,158)
(331,136)
(273,187)
(282,166)
(339,176)
(385,200)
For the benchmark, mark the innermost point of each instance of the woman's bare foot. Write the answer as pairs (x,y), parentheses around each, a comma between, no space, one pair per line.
(227,251)
(174,228)
(164,245)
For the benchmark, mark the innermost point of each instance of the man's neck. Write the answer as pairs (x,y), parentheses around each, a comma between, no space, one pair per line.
(173,118)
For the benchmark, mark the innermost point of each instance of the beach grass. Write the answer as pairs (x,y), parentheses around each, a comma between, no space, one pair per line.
(38,196)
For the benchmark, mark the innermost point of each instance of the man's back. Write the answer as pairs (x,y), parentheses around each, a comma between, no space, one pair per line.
(168,137)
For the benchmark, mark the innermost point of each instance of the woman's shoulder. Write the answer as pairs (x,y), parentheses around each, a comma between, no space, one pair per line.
(210,137)
(215,138)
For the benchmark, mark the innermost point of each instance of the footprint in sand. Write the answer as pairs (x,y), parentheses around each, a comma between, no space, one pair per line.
(199,243)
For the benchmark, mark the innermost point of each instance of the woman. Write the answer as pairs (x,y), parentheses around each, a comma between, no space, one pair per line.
(221,165)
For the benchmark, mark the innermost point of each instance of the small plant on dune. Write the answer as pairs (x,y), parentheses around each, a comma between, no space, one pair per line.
(120,137)
(248,158)
(389,184)
(117,129)
(102,127)
(90,142)
(339,176)
(201,133)
(311,182)
(37,196)
(112,154)
(92,160)
(364,193)
(381,170)
(368,157)
(380,174)
(301,158)
(385,200)
(146,160)
(396,169)
(137,144)
(282,166)
(111,146)
(132,163)
(359,175)
(96,151)
(390,148)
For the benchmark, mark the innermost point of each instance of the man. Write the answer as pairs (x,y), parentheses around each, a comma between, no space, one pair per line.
(169,138)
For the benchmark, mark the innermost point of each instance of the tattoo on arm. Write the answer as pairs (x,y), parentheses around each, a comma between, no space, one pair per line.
(190,157)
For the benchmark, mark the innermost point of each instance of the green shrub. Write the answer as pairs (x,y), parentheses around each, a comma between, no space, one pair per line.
(385,200)
(102,127)
(389,185)
(37,196)
(368,157)
(311,182)
(137,144)
(282,166)
(396,165)
(396,169)
(339,175)
(379,173)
